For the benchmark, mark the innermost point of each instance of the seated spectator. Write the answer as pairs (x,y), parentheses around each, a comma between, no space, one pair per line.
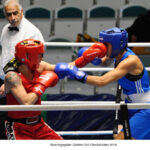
(139,31)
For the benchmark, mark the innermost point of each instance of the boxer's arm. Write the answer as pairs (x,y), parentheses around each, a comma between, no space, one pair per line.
(124,67)
(44,66)
(45,80)
(14,85)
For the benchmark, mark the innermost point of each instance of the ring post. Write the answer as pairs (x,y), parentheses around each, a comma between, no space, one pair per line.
(126,125)
(118,99)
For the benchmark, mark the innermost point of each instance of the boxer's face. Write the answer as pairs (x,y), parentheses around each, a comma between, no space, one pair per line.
(109,49)
(40,58)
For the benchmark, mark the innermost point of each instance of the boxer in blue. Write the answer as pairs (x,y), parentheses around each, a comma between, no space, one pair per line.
(129,71)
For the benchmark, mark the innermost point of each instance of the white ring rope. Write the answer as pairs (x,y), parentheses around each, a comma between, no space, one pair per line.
(77,44)
(108,132)
(75,102)
(78,106)
(103,69)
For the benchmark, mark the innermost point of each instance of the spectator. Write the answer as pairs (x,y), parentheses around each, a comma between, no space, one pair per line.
(16,30)
(139,31)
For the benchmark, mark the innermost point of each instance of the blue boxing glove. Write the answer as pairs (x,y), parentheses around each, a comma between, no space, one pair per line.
(61,69)
(78,75)
(82,50)
(66,70)
(96,61)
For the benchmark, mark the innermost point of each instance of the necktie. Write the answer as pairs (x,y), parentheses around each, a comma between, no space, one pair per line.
(13,29)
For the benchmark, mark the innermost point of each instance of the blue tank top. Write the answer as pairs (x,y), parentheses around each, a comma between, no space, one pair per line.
(134,87)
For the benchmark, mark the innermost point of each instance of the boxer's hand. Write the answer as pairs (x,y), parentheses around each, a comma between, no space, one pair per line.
(45,80)
(96,61)
(82,50)
(97,50)
(66,70)
(61,69)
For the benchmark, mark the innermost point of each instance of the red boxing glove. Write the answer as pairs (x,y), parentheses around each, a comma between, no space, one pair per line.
(45,80)
(96,50)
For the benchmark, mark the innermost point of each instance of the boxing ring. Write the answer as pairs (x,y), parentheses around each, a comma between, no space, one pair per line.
(75,105)
(85,105)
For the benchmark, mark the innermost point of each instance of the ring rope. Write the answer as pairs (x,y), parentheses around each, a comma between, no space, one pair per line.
(103,69)
(63,106)
(144,44)
(75,102)
(78,44)
(107,132)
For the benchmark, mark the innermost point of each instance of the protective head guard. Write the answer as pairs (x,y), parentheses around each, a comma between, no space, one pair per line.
(118,38)
(27,51)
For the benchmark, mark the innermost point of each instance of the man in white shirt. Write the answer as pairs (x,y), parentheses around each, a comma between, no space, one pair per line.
(18,29)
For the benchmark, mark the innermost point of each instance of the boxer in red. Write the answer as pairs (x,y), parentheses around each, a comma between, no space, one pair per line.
(24,86)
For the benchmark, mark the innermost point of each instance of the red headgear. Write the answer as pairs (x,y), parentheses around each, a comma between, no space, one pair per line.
(27,51)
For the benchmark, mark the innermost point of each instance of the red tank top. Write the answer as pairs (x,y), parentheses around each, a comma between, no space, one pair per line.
(28,85)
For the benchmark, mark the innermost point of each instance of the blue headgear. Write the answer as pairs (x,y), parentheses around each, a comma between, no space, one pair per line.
(118,38)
